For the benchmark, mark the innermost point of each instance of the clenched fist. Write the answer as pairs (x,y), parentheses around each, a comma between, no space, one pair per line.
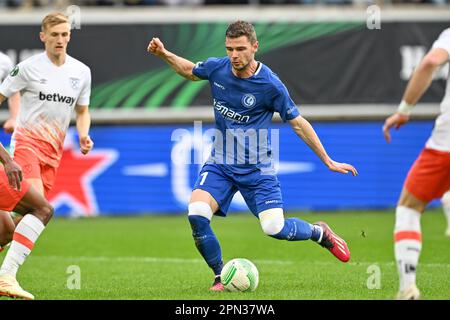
(156,47)
(86,144)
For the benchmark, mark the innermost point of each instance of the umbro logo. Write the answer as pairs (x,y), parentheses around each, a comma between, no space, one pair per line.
(40,81)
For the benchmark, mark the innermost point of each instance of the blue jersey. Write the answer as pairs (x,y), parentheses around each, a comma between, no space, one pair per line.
(243,109)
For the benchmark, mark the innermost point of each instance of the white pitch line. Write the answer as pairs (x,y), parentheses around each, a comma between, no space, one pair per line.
(185,260)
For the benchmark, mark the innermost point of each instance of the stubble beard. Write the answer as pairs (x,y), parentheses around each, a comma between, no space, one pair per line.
(241,68)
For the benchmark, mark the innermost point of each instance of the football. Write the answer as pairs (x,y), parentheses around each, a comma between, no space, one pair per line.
(239,275)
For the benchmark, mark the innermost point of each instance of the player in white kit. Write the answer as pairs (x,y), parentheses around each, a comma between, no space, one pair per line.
(6,66)
(429,177)
(52,84)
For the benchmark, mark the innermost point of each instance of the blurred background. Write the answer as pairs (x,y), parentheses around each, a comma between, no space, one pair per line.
(345,64)
(65,3)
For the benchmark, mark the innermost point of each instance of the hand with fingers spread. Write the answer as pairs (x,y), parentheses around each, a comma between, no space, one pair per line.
(86,144)
(14,174)
(396,120)
(342,167)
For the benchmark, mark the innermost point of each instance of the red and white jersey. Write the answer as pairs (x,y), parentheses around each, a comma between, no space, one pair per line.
(49,94)
(5,66)
(440,137)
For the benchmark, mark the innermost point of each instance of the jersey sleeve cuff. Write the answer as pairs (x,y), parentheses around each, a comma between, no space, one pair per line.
(83,102)
(293,114)
(5,92)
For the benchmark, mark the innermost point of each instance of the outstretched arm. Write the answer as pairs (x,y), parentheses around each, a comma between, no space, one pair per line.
(417,85)
(181,65)
(306,132)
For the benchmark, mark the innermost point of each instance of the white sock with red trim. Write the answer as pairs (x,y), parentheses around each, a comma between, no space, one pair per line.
(25,235)
(408,243)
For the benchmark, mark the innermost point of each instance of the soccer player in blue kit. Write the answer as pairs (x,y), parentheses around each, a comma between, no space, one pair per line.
(246,93)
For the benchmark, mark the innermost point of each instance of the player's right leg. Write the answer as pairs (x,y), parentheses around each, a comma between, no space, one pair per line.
(37,213)
(212,193)
(8,200)
(31,169)
(201,208)
(446,207)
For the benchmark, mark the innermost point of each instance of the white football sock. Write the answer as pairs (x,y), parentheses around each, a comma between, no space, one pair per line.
(408,243)
(446,207)
(25,235)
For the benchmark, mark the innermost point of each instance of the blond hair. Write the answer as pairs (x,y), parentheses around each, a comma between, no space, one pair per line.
(53,19)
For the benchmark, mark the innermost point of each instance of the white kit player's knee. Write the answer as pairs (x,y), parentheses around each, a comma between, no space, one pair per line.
(407,219)
(272,221)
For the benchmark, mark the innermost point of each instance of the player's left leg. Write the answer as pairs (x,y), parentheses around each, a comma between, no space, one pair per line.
(262,193)
(428,179)
(8,222)
(408,243)
(7,227)
(276,226)
(446,207)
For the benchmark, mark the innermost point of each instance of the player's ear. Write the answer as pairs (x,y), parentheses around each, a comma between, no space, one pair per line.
(42,36)
(256,46)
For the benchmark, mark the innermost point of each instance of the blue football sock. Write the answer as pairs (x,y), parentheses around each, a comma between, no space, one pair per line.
(316,233)
(206,242)
(295,229)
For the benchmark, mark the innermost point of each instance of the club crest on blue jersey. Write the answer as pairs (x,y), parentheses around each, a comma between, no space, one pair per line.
(248,100)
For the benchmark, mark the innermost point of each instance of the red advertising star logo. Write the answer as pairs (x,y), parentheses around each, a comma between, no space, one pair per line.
(73,185)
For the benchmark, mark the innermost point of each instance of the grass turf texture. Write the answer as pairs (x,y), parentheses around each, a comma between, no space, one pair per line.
(154,257)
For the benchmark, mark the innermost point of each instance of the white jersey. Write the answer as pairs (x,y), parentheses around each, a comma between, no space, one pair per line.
(440,137)
(5,66)
(49,94)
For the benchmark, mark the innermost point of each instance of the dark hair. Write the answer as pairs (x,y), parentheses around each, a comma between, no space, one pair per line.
(241,28)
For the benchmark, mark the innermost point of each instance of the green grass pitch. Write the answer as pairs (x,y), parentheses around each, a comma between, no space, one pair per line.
(154,257)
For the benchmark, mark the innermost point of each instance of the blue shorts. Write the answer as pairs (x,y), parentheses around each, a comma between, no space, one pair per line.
(260,191)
